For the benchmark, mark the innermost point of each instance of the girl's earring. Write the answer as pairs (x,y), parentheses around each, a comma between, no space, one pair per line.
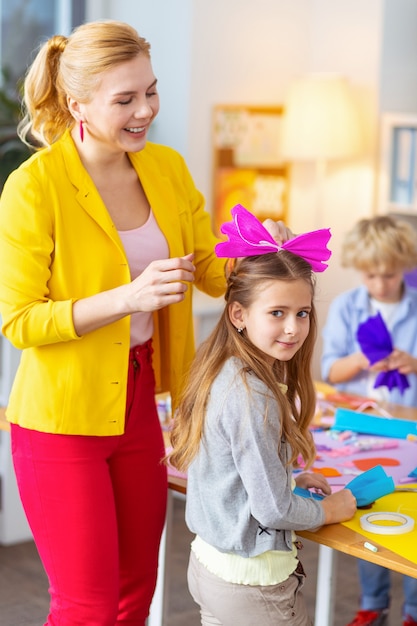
(240,329)
(81,131)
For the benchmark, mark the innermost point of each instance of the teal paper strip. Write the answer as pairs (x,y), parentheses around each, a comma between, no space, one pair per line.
(346,419)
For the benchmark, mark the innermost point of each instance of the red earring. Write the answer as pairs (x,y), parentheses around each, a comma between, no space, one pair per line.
(81,131)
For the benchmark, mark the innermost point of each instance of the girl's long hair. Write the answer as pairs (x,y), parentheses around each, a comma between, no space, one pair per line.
(296,407)
(72,66)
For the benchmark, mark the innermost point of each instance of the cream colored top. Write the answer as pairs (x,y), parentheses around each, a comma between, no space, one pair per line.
(268,568)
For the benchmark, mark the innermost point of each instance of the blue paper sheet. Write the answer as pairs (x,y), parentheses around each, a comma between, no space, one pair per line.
(346,419)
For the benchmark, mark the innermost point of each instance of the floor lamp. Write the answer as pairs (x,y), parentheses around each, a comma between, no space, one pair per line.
(320,123)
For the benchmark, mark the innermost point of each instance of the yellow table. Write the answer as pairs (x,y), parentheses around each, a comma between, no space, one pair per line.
(336,538)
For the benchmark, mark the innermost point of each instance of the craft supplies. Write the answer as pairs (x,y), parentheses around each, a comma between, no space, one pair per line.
(376,344)
(306,493)
(371,485)
(346,419)
(370,546)
(401,523)
(373,443)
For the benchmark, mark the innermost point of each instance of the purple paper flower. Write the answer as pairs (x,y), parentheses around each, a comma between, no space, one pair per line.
(376,344)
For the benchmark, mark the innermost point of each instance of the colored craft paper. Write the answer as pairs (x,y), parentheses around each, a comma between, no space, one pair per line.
(374,339)
(305,493)
(405,452)
(346,419)
(371,485)
(367,487)
(366,464)
(326,471)
(376,344)
(404,545)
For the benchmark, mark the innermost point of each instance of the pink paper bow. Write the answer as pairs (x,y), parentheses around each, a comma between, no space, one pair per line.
(248,237)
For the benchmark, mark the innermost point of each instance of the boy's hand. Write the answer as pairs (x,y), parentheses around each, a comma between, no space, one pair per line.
(402,361)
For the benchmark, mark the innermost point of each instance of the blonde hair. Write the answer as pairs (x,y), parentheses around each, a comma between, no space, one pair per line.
(72,66)
(296,407)
(380,241)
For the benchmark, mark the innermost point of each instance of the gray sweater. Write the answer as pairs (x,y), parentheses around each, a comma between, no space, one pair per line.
(239,493)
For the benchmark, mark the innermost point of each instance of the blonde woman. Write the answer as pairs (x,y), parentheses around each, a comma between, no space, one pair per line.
(101,236)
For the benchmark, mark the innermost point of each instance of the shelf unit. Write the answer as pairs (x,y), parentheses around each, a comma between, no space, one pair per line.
(247,165)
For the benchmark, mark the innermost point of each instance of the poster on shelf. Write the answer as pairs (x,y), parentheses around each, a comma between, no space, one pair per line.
(248,166)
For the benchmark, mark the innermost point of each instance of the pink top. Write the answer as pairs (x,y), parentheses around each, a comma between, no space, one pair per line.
(143,245)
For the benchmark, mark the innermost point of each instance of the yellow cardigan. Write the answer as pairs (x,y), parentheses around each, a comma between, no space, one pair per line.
(59,244)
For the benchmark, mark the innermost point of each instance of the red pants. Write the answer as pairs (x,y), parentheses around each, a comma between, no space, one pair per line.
(96,507)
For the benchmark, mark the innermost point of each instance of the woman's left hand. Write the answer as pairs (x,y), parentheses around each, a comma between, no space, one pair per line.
(278,230)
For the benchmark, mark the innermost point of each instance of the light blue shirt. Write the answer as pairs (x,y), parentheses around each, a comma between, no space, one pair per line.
(345,314)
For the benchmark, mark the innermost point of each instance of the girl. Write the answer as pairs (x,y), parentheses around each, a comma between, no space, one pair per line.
(241,428)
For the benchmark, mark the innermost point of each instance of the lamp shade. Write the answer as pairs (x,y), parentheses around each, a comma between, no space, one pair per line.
(320,120)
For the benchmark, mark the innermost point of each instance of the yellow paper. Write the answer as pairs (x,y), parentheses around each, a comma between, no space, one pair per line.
(398,502)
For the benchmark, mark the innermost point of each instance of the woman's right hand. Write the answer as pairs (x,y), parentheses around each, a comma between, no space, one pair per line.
(160,284)
(339,507)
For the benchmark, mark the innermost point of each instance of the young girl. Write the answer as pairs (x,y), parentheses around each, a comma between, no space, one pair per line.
(241,428)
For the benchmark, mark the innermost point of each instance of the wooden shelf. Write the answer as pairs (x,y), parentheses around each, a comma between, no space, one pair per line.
(247,166)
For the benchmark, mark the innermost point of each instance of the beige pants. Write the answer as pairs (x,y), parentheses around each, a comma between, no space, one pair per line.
(229,604)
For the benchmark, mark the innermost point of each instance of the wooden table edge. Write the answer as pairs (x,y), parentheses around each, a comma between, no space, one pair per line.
(351,544)
(348,541)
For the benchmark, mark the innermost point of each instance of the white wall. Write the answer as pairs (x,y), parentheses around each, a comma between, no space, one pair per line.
(398,80)
(167,25)
(240,51)
(345,38)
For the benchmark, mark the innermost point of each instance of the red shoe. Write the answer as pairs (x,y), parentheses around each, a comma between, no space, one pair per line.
(372,618)
(409,621)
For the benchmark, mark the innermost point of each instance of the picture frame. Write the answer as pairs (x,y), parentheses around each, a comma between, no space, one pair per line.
(248,168)
(398,164)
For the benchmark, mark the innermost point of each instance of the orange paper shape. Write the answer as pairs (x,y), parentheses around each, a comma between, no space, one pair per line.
(366,464)
(327,471)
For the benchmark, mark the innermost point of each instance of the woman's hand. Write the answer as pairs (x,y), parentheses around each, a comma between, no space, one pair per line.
(160,284)
(278,230)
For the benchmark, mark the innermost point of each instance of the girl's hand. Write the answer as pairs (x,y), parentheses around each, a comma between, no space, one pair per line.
(278,230)
(339,506)
(318,482)
(160,284)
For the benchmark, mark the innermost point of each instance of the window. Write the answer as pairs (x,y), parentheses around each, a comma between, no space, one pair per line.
(27,23)
(24,24)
